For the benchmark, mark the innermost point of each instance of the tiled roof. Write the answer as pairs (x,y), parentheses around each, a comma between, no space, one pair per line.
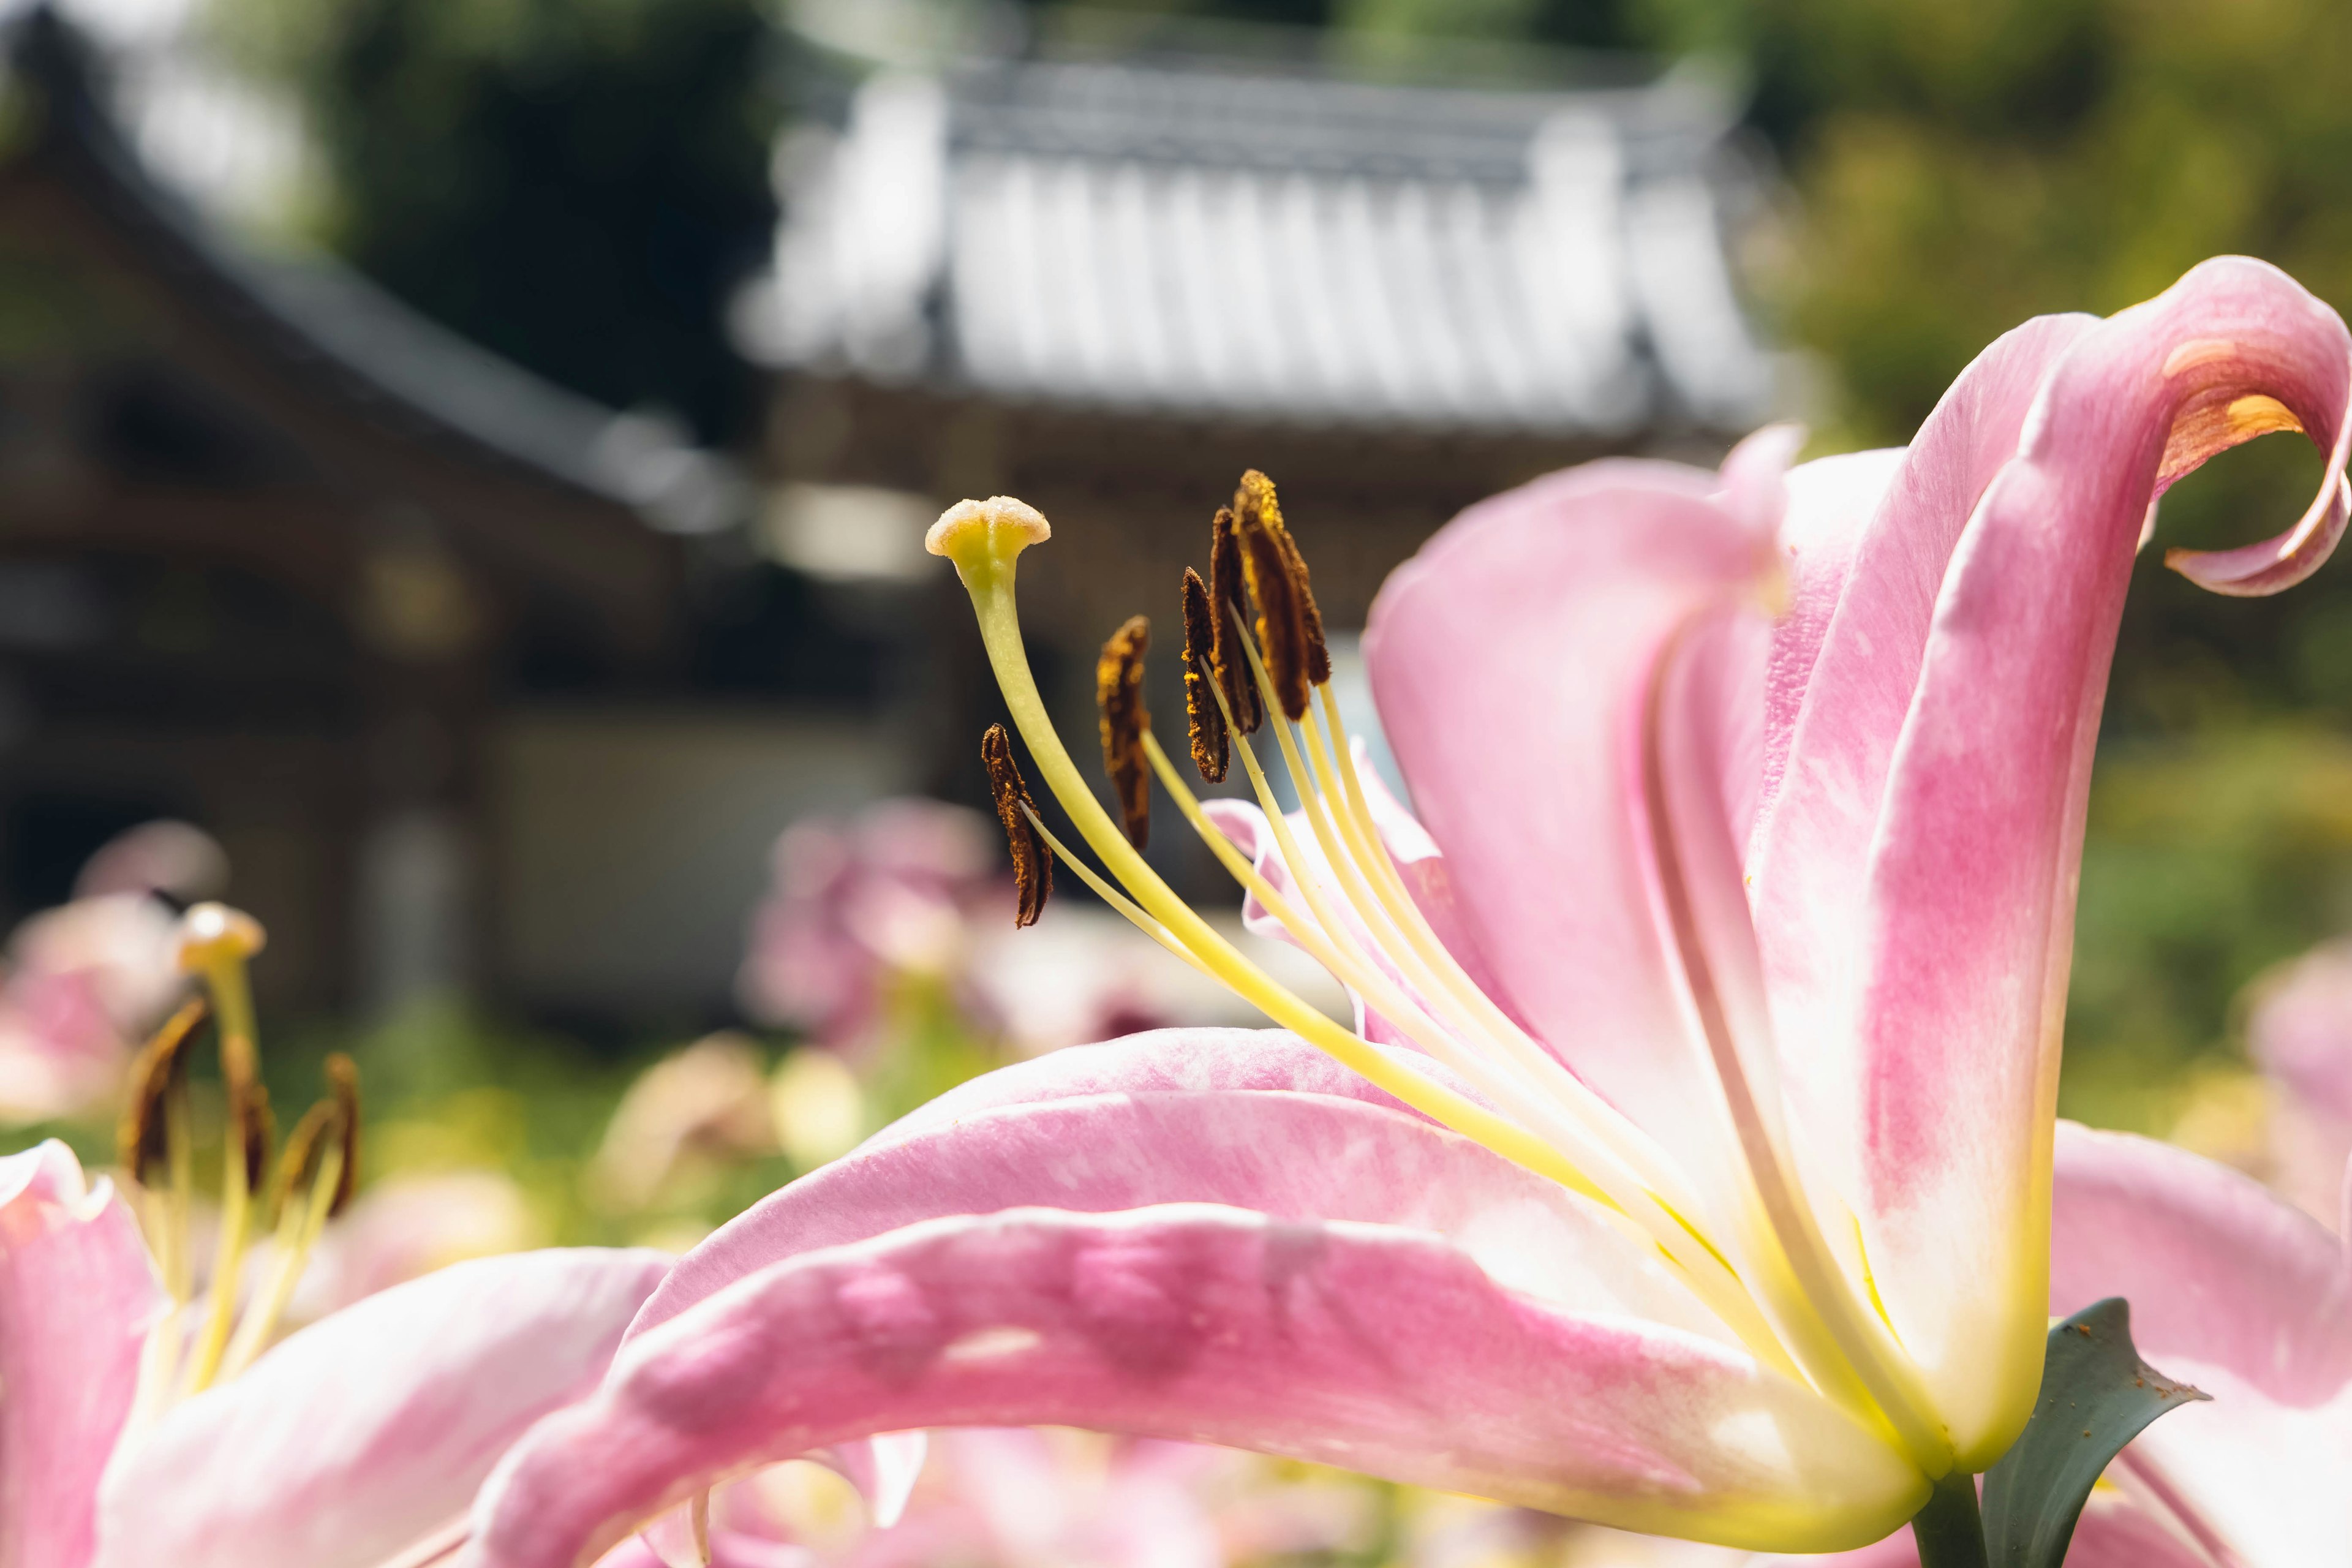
(1203,241)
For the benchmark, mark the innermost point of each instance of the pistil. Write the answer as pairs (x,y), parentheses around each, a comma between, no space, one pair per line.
(215,944)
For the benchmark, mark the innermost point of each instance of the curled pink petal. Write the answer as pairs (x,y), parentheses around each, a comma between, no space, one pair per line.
(1970,906)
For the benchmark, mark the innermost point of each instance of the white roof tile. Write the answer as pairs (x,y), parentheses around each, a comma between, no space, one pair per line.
(1175,238)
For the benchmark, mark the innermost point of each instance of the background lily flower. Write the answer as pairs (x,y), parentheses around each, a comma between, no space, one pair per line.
(2300,1034)
(1719,1206)
(347,1443)
(83,982)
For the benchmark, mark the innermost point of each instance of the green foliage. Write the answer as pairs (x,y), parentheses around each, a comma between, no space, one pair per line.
(578,184)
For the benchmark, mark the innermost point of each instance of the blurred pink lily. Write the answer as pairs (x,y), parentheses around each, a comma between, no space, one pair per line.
(2249,1299)
(349,1444)
(1706,1190)
(2300,1034)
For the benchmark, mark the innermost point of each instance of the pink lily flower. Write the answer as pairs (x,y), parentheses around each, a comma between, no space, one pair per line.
(346,1446)
(1708,1192)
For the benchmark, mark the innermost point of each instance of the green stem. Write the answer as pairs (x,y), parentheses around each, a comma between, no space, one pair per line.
(1949,1530)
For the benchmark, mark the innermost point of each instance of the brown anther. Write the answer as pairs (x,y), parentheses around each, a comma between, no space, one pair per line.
(1211,746)
(344,1082)
(1033,861)
(160,1070)
(1279,586)
(1227,584)
(334,1120)
(297,1160)
(1119,689)
(254,1128)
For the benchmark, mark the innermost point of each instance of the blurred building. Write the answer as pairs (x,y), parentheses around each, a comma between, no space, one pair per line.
(1108,280)
(411,632)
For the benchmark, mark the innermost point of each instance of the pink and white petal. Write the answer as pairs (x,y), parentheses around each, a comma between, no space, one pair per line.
(1829,502)
(884,1469)
(1294,1157)
(78,1298)
(1972,877)
(2265,1479)
(370,1429)
(1511,659)
(1382,1349)
(1844,664)
(2216,1268)
(1156,1062)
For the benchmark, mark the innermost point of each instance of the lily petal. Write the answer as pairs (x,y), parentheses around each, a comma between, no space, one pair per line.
(1509,659)
(2217,1269)
(78,1296)
(1970,913)
(1384,1350)
(366,1431)
(2265,1479)
(1291,1155)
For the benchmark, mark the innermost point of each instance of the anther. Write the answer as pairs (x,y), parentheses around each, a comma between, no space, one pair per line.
(1278,582)
(1211,746)
(158,1071)
(1268,511)
(343,1083)
(1226,587)
(254,1128)
(332,1121)
(1033,862)
(1119,689)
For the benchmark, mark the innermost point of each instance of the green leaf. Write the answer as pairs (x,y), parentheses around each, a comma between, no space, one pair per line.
(2096,1397)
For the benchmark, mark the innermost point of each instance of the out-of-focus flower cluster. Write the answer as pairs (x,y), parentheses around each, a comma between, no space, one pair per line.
(83,982)
(899,918)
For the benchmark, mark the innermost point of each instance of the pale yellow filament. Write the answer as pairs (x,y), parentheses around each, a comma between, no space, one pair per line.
(298,1235)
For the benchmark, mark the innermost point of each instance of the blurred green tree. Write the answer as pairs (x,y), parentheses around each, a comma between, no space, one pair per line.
(578,184)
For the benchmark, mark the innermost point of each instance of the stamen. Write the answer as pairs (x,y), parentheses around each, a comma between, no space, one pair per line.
(155,1136)
(1119,689)
(255,1127)
(1227,584)
(984,559)
(1205,715)
(323,1152)
(698,1516)
(143,1137)
(1255,499)
(1276,588)
(343,1083)
(1033,861)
